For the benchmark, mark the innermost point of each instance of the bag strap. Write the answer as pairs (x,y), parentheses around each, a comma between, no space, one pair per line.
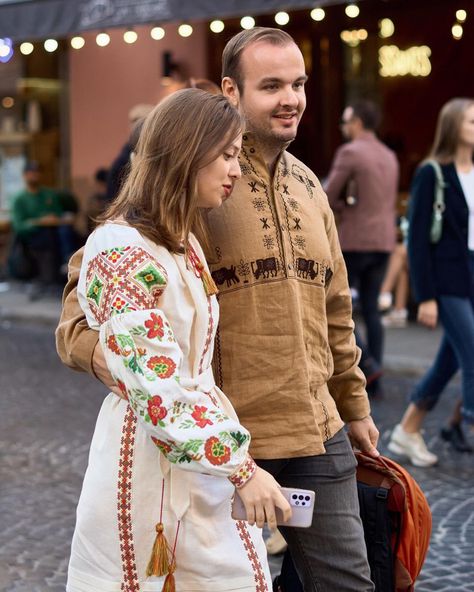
(440,185)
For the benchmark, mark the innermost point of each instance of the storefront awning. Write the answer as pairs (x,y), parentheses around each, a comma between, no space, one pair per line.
(38,19)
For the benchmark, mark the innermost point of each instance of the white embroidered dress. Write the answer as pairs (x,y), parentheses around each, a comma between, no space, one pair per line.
(157,330)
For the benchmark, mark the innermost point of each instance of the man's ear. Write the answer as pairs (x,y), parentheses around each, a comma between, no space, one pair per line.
(231,91)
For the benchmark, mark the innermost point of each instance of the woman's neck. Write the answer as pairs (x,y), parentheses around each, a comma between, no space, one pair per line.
(463,159)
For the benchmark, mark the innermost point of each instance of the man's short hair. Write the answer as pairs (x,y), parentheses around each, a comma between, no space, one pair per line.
(368,112)
(233,50)
(31,166)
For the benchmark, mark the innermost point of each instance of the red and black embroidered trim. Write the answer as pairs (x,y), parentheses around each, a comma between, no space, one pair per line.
(130,582)
(260,581)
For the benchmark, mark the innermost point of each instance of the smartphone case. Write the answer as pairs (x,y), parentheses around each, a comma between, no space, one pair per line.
(300,500)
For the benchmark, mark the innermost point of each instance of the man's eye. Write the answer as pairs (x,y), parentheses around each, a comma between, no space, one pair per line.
(298,84)
(270,87)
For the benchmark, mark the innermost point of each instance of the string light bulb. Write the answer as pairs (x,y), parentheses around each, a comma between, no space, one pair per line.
(457,31)
(247,22)
(217,26)
(78,42)
(130,36)
(185,30)
(26,48)
(51,45)
(317,14)
(157,33)
(461,15)
(352,10)
(102,39)
(282,18)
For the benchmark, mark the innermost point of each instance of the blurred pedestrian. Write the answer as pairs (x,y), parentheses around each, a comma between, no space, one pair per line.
(146,291)
(362,190)
(120,166)
(395,289)
(43,225)
(442,275)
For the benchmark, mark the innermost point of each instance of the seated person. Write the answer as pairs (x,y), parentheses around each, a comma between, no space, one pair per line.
(44,226)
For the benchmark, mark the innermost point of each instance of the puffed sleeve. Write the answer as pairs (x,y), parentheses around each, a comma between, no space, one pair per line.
(123,288)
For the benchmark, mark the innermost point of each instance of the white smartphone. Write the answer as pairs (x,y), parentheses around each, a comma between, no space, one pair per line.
(300,500)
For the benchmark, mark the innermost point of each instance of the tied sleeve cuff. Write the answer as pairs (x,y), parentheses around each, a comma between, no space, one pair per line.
(244,473)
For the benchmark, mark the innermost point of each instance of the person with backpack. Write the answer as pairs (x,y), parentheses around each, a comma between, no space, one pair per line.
(441,260)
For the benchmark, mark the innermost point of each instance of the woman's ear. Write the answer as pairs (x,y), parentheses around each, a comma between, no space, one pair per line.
(231,91)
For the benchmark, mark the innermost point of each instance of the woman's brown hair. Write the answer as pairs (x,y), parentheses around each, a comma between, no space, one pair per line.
(448,128)
(182,134)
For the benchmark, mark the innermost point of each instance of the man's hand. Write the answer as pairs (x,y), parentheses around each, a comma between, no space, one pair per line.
(364,436)
(48,220)
(102,372)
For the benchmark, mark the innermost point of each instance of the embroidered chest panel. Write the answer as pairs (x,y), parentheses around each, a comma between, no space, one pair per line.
(270,232)
(123,279)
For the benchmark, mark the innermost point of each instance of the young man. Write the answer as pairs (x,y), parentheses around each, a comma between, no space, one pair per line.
(368,170)
(286,354)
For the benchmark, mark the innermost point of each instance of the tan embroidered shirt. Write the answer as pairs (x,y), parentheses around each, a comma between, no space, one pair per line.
(285,353)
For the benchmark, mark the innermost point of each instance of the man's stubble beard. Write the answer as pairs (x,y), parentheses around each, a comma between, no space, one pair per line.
(265,136)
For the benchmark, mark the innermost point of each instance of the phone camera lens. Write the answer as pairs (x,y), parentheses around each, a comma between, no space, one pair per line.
(307,498)
(297,503)
(294,496)
(300,497)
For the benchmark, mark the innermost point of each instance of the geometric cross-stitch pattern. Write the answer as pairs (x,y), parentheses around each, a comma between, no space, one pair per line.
(260,581)
(123,279)
(150,277)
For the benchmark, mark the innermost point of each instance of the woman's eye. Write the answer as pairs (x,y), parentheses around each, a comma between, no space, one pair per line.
(227,156)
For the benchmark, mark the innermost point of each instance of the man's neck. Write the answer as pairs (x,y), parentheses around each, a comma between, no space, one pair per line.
(33,189)
(271,152)
(363,133)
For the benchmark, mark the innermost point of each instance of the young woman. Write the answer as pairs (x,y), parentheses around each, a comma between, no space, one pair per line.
(165,460)
(442,276)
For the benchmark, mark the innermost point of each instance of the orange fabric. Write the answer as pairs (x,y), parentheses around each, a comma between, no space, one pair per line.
(406,497)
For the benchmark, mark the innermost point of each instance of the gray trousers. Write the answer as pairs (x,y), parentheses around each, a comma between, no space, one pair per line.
(330,556)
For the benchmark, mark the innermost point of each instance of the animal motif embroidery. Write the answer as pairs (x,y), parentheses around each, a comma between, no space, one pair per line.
(265,267)
(226,275)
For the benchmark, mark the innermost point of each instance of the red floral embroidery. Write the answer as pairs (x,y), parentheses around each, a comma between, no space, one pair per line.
(123,388)
(154,326)
(162,366)
(113,345)
(216,452)
(118,303)
(163,446)
(199,416)
(155,410)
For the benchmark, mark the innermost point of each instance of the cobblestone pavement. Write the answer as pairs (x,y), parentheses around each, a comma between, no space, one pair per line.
(47,416)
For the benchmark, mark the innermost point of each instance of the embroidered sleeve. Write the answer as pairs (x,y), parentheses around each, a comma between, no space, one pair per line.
(244,473)
(123,288)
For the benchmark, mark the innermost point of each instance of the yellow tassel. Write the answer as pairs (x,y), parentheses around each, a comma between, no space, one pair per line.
(159,561)
(209,284)
(170,585)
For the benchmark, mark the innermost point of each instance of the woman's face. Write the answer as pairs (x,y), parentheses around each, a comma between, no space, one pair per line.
(215,181)
(466,131)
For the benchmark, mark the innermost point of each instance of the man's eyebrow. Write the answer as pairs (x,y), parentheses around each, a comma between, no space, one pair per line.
(270,79)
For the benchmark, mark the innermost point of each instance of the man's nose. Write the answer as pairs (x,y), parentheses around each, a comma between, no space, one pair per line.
(289,97)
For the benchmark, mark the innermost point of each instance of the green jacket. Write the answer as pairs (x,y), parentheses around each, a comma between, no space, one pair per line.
(28,207)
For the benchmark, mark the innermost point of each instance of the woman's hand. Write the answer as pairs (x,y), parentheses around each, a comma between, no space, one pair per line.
(260,495)
(428,313)
(102,372)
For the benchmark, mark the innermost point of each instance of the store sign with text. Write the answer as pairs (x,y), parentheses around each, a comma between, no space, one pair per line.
(414,61)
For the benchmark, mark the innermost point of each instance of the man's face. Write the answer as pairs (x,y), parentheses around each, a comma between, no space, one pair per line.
(32,179)
(348,123)
(273,98)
